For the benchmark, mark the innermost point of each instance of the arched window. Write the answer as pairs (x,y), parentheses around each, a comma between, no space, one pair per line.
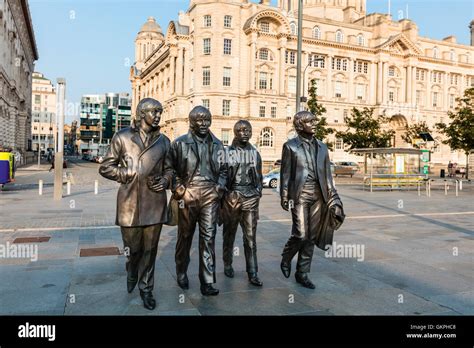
(293,28)
(263,54)
(435,52)
(360,40)
(266,137)
(316,33)
(339,36)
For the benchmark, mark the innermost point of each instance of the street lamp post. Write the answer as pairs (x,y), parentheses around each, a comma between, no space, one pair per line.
(317,59)
(58,158)
(300,49)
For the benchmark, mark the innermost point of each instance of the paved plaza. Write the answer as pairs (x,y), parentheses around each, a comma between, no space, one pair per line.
(417,257)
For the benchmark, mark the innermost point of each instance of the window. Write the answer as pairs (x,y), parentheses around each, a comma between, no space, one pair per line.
(263,54)
(435,99)
(338,89)
(205,103)
(360,89)
(391,96)
(435,52)
(206,46)
(339,36)
(263,81)
(292,84)
(418,97)
(265,27)
(225,135)
(227,76)
(452,55)
(339,64)
(451,101)
(316,33)
(207,21)
(391,71)
(420,75)
(273,111)
(317,61)
(227,46)
(37,99)
(436,76)
(206,76)
(261,111)
(290,57)
(293,28)
(266,137)
(339,144)
(227,21)
(360,40)
(226,107)
(361,67)
(454,79)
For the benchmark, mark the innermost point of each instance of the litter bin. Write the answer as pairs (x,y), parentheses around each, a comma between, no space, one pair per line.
(442,173)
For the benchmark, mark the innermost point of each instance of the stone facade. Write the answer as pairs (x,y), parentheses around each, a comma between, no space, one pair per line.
(239,59)
(43,127)
(18,53)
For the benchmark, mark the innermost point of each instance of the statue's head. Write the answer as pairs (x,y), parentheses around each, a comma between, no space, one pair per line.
(304,122)
(149,110)
(243,131)
(200,120)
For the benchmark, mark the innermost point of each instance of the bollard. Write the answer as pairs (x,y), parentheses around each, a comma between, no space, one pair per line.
(460,185)
(457,183)
(40,187)
(419,189)
(68,188)
(429,188)
(445,188)
(96,187)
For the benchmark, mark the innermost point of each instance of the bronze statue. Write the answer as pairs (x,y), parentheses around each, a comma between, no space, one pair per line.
(136,160)
(197,161)
(307,188)
(240,203)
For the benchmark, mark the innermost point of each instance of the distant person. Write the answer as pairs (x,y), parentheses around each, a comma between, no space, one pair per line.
(52,163)
(450,169)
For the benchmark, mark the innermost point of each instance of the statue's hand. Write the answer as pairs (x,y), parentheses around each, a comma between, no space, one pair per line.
(284,204)
(161,185)
(338,210)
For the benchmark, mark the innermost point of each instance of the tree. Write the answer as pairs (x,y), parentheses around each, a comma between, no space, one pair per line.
(364,130)
(321,129)
(412,132)
(460,131)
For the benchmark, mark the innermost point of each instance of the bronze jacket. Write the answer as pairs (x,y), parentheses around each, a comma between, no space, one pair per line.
(233,164)
(128,157)
(183,158)
(293,173)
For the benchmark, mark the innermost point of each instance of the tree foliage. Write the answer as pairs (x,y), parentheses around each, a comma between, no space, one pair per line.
(364,130)
(321,129)
(412,132)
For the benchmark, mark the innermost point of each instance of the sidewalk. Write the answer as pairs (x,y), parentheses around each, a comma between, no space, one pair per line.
(408,257)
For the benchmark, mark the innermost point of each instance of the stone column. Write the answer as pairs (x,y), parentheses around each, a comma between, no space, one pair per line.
(351,86)
(384,83)
(372,99)
(379,82)
(428,90)
(179,72)
(253,52)
(187,72)
(281,77)
(172,75)
(330,92)
(409,84)
(445,98)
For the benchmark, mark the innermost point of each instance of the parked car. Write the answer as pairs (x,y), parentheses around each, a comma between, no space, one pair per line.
(345,168)
(271,178)
(87,157)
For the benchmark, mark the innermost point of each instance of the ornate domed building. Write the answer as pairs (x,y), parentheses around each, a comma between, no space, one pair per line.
(238,58)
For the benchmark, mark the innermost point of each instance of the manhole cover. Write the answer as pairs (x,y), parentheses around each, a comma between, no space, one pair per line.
(99,252)
(31,240)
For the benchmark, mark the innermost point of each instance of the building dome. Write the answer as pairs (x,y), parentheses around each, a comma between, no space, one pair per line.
(151,26)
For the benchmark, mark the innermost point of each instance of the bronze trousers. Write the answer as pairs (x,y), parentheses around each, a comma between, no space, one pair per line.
(200,205)
(243,211)
(141,246)
(306,216)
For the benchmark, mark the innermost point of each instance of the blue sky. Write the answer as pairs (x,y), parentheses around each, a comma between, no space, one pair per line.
(91,42)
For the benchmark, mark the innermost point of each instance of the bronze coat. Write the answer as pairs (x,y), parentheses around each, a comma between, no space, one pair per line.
(293,173)
(137,205)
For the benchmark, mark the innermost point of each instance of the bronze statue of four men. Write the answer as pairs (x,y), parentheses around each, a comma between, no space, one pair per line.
(212,184)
